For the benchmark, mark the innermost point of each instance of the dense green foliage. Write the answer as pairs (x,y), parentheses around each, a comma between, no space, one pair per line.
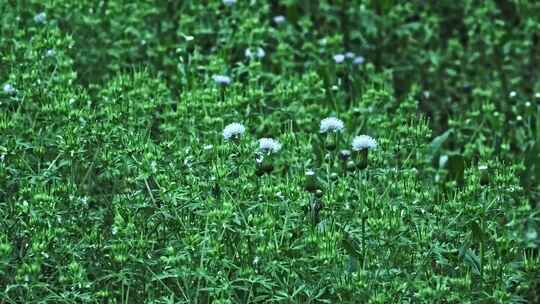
(117,185)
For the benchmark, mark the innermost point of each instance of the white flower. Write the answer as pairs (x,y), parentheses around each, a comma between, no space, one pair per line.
(9,89)
(229,2)
(339,58)
(233,130)
(512,94)
(310,173)
(208,147)
(363,142)
(537,95)
(349,55)
(269,145)
(50,53)
(40,18)
(221,79)
(358,60)
(331,124)
(260,53)
(279,19)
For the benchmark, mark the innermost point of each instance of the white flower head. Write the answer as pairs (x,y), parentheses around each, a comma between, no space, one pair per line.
(269,145)
(358,60)
(279,19)
(50,53)
(349,55)
(339,58)
(259,53)
(537,95)
(222,79)
(482,167)
(40,18)
(9,89)
(233,130)
(512,94)
(229,2)
(362,142)
(331,124)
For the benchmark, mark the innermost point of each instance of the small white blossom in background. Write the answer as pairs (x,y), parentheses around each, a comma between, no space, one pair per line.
(358,60)
(339,58)
(229,2)
(233,130)
(362,142)
(259,53)
(349,55)
(331,124)
(222,79)
(279,19)
(50,53)
(9,89)
(537,95)
(269,145)
(443,160)
(310,173)
(40,18)
(208,147)
(512,94)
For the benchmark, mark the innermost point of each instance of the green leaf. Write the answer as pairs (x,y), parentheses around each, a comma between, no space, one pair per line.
(470,259)
(438,142)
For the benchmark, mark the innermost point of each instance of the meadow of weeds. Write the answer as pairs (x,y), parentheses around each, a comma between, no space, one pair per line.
(280,151)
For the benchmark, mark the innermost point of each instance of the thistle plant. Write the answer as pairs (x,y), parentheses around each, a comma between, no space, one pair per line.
(330,128)
(361,145)
(233,132)
(268,148)
(222,81)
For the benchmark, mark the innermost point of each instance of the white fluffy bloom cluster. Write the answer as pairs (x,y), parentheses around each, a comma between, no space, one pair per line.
(40,18)
(358,60)
(269,145)
(279,19)
(258,53)
(233,130)
(332,124)
(9,89)
(362,142)
(221,79)
(339,58)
